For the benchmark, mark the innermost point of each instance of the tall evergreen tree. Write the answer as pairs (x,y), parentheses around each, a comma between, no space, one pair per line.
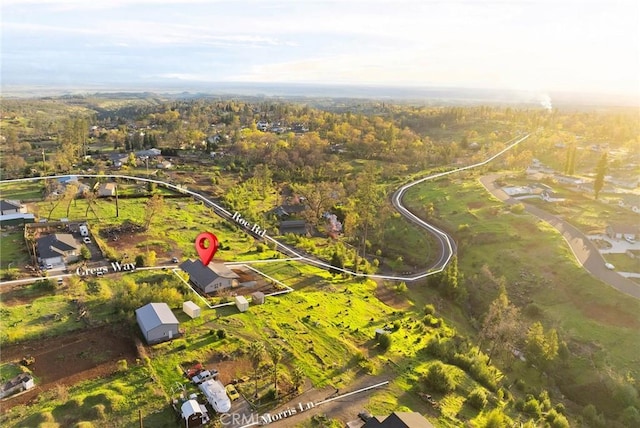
(601,170)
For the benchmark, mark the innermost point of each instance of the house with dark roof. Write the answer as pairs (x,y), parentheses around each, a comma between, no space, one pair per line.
(399,420)
(297,227)
(11,207)
(622,231)
(288,210)
(211,278)
(118,159)
(157,323)
(57,249)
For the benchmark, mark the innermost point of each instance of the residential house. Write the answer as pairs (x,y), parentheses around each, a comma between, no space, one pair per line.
(69,180)
(550,196)
(107,190)
(57,249)
(297,227)
(211,278)
(622,231)
(149,153)
(288,210)
(157,322)
(399,420)
(118,160)
(11,207)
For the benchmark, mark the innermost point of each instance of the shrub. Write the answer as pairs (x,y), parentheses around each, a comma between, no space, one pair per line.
(630,417)
(260,248)
(532,407)
(85,253)
(431,321)
(478,398)
(517,208)
(429,309)
(396,325)
(140,261)
(484,375)
(221,333)
(270,395)
(44,285)
(401,287)
(99,412)
(439,379)
(122,365)
(556,420)
(384,342)
(10,275)
(592,417)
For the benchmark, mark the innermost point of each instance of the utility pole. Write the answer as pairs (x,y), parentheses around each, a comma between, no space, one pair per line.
(117,208)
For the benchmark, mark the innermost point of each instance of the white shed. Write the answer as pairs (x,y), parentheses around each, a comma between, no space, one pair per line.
(242,303)
(191,309)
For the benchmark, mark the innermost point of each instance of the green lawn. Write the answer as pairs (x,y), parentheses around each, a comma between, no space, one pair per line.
(12,249)
(22,191)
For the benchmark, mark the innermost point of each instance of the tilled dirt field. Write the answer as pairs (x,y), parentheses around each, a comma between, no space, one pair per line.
(70,359)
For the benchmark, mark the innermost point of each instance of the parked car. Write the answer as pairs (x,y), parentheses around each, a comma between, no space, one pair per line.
(232,392)
(174,260)
(630,240)
(86,240)
(609,266)
(204,375)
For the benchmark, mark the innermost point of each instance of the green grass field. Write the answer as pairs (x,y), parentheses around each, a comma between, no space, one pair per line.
(12,249)
(22,191)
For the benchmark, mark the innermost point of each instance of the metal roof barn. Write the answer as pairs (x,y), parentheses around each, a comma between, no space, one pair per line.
(157,322)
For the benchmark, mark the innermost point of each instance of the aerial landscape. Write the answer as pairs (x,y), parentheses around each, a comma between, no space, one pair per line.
(320,214)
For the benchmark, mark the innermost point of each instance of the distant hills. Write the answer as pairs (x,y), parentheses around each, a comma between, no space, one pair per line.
(398,94)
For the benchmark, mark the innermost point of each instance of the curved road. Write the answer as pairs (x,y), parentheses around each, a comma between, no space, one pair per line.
(583,249)
(447,244)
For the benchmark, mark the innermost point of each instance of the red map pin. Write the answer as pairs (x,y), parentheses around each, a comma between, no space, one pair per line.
(206,253)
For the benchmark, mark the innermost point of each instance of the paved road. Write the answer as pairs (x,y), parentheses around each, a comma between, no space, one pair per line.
(583,249)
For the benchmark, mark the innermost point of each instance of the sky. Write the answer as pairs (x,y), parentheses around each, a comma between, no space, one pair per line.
(537,45)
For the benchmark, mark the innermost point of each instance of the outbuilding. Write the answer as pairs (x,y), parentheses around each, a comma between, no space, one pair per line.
(157,322)
(194,414)
(257,298)
(242,303)
(191,309)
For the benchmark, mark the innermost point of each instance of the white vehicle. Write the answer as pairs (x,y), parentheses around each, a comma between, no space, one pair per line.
(86,240)
(630,240)
(216,395)
(84,230)
(609,266)
(204,375)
